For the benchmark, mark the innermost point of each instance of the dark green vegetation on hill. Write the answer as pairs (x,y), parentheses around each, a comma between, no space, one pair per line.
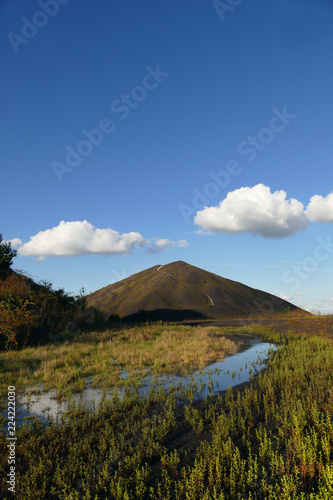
(7,254)
(271,440)
(33,313)
(180,291)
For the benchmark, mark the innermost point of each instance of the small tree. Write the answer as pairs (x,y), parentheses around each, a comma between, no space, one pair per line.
(7,253)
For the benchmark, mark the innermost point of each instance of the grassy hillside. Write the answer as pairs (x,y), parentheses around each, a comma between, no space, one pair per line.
(180,291)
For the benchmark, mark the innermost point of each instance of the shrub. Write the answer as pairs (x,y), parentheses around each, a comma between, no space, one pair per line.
(16,314)
(31,312)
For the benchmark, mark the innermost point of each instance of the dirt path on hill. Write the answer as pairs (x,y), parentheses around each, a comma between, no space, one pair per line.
(185,284)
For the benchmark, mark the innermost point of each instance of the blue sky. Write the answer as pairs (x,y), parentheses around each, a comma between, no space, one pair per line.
(137,134)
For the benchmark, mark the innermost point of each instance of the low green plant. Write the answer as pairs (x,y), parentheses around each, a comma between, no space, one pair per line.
(271,440)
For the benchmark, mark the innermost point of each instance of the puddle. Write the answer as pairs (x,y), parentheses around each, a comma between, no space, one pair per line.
(218,376)
(232,371)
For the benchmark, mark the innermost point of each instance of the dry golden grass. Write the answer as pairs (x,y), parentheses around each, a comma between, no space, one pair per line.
(173,349)
(103,356)
(161,348)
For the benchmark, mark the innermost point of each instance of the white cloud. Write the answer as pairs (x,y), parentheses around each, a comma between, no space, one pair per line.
(203,233)
(320,307)
(256,211)
(161,244)
(15,243)
(299,294)
(320,209)
(284,296)
(69,239)
(330,300)
(281,295)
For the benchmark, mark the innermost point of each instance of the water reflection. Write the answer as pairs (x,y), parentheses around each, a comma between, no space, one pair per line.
(232,371)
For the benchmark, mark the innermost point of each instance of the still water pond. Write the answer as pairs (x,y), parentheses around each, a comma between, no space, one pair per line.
(216,377)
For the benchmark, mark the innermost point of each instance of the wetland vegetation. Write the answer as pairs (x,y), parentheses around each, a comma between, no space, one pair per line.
(269,438)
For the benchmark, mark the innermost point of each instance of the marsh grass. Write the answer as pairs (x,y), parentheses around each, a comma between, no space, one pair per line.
(102,357)
(272,440)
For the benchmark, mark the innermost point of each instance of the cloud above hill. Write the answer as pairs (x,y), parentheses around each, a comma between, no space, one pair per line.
(73,238)
(255,210)
(320,209)
(160,245)
(258,211)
